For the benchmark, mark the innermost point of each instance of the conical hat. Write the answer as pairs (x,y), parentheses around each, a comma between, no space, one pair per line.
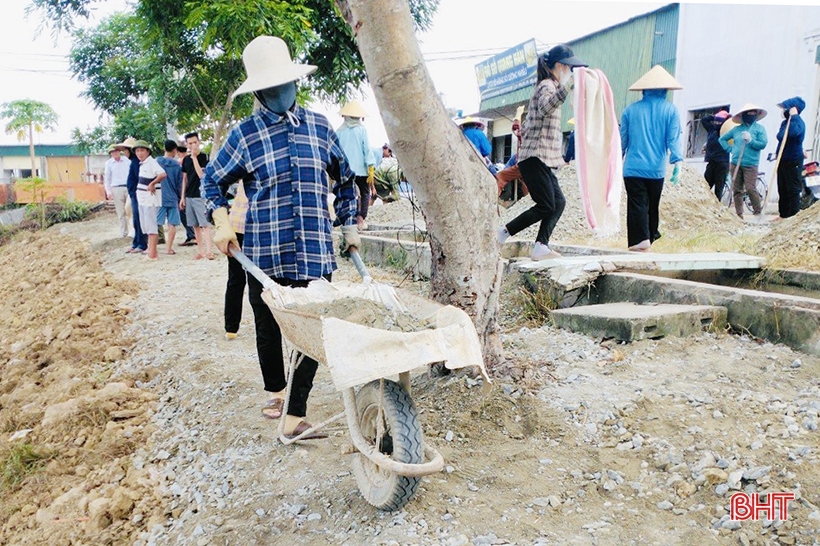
(353,109)
(656,78)
(746,107)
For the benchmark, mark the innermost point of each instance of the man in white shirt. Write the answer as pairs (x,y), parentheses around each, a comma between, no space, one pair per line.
(115,179)
(149,194)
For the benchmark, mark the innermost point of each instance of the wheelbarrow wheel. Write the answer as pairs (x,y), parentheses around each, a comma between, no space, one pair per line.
(401,440)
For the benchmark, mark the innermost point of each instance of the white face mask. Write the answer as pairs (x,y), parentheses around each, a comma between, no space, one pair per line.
(278,99)
(352,122)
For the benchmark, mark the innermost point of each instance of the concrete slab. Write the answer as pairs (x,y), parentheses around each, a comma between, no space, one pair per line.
(655,261)
(628,321)
(792,320)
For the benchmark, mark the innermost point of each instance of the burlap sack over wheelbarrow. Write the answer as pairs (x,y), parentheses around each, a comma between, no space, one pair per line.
(358,354)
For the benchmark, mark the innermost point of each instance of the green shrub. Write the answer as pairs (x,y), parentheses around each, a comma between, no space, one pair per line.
(18,461)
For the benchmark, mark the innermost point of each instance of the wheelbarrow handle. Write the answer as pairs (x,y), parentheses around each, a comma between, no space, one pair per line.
(357,261)
(267,282)
(250,267)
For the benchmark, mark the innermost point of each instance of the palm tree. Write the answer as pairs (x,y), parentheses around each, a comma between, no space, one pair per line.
(28,116)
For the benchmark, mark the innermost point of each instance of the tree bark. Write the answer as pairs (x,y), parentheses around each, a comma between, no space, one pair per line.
(456,192)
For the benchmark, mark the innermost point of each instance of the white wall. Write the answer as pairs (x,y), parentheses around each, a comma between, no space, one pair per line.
(735,54)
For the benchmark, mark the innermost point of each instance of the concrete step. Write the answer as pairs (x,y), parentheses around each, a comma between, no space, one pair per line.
(628,321)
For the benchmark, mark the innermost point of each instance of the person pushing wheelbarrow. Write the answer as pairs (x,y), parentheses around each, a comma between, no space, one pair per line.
(282,154)
(749,138)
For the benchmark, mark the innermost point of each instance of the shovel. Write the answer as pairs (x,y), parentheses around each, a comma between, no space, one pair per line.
(777,162)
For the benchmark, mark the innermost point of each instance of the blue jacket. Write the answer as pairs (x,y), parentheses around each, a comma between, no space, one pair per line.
(714,151)
(479,140)
(650,128)
(751,152)
(793,150)
(133,176)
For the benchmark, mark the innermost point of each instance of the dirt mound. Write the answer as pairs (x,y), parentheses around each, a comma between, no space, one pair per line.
(794,242)
(686,208)
(67,422)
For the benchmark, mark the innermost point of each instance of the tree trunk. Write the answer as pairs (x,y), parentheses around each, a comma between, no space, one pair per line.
(456,192)
(31,148)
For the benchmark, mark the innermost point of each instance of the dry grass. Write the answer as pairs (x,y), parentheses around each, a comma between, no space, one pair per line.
(12,421)
(706,241)
(792,258)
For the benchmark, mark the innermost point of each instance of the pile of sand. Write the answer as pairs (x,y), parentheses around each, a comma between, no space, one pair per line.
(68,423)
(364,312)
(794,242)
(686,208)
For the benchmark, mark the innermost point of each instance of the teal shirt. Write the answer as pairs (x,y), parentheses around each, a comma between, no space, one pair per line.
(751,152)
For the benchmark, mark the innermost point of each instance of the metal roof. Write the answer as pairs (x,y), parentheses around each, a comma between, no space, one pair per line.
(40,150)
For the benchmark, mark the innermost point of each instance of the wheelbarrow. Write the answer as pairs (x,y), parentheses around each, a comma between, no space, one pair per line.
(389,453)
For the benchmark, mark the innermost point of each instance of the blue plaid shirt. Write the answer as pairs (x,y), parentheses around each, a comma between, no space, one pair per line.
(285,168)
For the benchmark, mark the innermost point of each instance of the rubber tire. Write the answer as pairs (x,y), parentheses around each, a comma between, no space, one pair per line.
(403,437)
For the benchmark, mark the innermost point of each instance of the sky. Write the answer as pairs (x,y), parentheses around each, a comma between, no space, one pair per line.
(463,34)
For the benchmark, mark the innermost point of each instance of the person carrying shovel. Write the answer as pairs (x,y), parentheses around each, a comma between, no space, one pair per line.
(749,138)
(282,154)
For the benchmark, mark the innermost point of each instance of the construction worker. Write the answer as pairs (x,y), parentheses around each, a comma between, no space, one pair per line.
(749,138)
(353,139)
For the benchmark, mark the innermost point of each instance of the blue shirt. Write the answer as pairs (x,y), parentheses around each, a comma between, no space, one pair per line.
(356,146)
(284,167)
(133,176)
(172,185)
(650,128)
(479,140)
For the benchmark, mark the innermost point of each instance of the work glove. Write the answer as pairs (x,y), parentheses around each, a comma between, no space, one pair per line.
(350,238)
(675,174)
(371,175)
(224,234)
(746,136)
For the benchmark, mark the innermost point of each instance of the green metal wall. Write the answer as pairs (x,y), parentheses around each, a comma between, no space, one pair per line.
(627,51)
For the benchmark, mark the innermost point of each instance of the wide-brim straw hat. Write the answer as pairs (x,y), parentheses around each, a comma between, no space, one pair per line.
(353,109)
(127,143)
(469,120)
(656,78)
(268,64)
(761,112)
(112,148)
(727,126)
(142,144)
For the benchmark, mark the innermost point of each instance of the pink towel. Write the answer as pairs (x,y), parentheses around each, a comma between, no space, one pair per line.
(598,158)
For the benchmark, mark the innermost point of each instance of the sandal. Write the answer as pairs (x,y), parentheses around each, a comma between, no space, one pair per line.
(170,252)
(273,408)
(302,427)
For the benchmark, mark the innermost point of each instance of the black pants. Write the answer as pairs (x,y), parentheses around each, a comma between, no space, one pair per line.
(140,240)
(790,187)
(715,175)
(234,292)
(643,196)
(270,353)
(549,200)
(364,195)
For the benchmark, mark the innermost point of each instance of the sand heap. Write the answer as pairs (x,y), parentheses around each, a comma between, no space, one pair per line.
(364,312)
(688,207)
(794,242)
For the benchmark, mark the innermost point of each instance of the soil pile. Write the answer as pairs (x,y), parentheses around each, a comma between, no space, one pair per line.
(794,242)
(364,312)
(686,208)
(67,423)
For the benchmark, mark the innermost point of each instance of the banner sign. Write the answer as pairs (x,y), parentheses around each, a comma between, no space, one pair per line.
(507,71)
